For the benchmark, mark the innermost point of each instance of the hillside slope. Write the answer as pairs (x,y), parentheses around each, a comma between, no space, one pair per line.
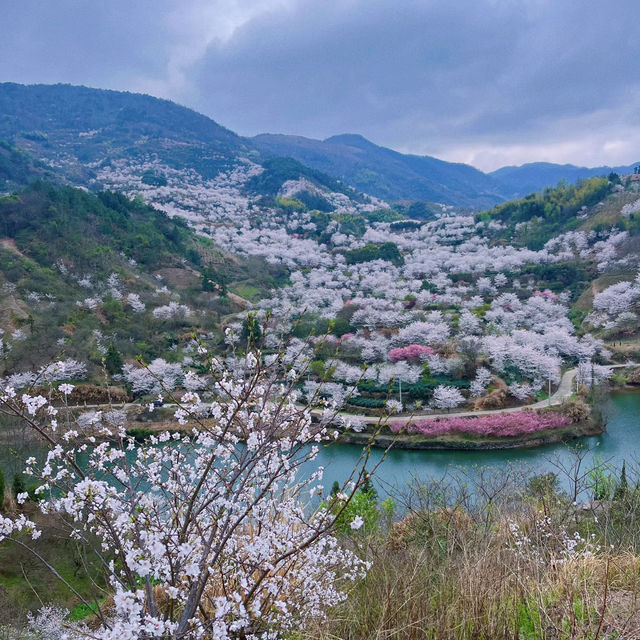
(82,272)
(386,173)
(79,129)
(535,176)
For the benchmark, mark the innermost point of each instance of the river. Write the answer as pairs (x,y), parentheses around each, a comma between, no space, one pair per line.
(621,441)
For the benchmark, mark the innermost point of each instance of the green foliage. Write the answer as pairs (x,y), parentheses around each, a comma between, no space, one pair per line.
(367,485)
(543,486)
(481,311)
(560,276)
(18,168)
(420,210)
(50,223)
(153,179)
(320,219)
(214,280)
(364,504)
(290,204)
(600,481)
(339,326)
(113,310)
(140,433)
(549,212)
(367,402)
(386,251)
(383,215)
(278,170)
(18,485)
(421,390)
(34,495)
(621,491)
(351,224)
(113,360)
(406,225)
(313,201)
(2,488)
(251,333)
(82,611)
(632,224)
(317,367)
(577,316)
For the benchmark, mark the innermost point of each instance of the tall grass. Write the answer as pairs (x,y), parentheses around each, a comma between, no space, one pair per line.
(494,556)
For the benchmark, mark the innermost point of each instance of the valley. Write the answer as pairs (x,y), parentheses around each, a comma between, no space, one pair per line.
(196,326)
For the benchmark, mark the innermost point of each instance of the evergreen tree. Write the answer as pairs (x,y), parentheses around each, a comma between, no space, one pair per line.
(623,486)
(18,485)
(113,360)
(2,487)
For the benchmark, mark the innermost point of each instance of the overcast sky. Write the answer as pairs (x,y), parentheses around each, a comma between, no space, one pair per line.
(487,82)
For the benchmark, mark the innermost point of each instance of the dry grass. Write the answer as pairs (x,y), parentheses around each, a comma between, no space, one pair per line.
(461,573)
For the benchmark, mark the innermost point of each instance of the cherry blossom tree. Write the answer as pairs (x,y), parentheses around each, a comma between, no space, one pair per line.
(480,382)
(416,352)
(206,533)
(591,374)
(445,397)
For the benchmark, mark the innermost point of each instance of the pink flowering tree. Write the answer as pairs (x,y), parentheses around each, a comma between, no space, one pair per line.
(203,533)
(414,352)
(503,425)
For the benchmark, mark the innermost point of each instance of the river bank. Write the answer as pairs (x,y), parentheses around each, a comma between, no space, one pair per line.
(457,442)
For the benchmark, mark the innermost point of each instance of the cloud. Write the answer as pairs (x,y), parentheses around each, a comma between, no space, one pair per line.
(485,81)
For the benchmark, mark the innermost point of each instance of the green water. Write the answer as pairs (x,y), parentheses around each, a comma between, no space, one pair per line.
(620,442)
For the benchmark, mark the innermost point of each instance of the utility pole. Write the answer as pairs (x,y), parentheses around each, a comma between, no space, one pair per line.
(549,389)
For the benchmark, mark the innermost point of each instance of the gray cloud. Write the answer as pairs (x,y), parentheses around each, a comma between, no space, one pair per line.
(484,81)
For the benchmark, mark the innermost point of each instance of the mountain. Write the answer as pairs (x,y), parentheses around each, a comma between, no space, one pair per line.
(90,136)
(79,128)
(536,176)
(93,137)
(385,173)
(18,168)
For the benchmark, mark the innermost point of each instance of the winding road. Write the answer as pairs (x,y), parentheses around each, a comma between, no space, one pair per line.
(564,391)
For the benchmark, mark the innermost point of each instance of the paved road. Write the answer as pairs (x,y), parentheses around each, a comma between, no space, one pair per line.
(564,391)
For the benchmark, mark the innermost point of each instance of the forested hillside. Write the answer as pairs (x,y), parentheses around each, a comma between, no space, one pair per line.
(81,274)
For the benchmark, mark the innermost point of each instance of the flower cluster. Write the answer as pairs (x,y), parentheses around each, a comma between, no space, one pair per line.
(502,425)
(208,532)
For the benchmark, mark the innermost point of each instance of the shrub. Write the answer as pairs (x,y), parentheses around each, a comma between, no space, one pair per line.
(502,425)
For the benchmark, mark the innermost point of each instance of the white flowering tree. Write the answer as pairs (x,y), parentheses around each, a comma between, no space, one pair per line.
(591,374)
(206,533)
(445,397)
